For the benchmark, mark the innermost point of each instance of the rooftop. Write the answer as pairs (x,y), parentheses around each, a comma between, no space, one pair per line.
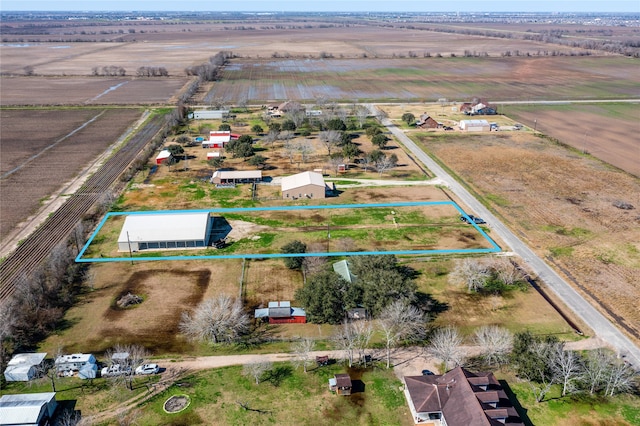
(302,179)
(165,227)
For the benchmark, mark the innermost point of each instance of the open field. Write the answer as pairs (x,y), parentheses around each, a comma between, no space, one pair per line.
(395,228)
(608,131)
(55,90)
(37,160)
(571,221)
(413,79)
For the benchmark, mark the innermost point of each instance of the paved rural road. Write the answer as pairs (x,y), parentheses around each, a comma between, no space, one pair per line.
(594,319)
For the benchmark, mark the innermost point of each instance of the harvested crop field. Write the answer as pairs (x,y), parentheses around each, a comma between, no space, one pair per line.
(88,90)
(567,206)
(43,149)
(606,131)
(428,79)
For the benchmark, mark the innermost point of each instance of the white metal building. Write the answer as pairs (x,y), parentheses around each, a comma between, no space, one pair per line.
(475,125)
(24,367)
(27,409)
(164,155)
(236,176)
(217,139)
(305,184)
(164,231)
(209,114)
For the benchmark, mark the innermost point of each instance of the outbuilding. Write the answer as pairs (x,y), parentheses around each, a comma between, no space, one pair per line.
(282,312)
(305,184)
(221,177)
(475,125)
(164,155)
(217,139)
(165,231)
(28,409)
(24,367)
(209,114)
(212,155)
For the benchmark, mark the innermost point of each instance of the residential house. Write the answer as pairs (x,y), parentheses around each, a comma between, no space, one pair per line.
(84,365)
(427,122)
(217,139)
(459,398)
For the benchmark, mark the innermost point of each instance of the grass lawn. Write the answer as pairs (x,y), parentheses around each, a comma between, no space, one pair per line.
(287,396)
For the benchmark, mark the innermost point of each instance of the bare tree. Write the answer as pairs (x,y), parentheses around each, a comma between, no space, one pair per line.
(353,338)
(302,348)
(290,150)
(595,367)
(566,366)
(361,113)
(330,139)
(305,149)
(335,161)
(271,137)
(386,163)
(257,369)
(618,377)
(445,345)
(399,321)
(124,359)
(297,116)
(216,320)
(471,272)
(496,343)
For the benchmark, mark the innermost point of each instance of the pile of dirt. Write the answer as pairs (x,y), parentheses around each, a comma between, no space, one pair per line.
(128,300)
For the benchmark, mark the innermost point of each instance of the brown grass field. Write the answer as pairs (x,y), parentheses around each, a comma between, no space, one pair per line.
(571,220)
(27,180)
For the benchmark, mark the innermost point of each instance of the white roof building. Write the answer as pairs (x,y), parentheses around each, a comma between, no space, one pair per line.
(165,231)
(164,154)
(475,125)
(27,409)
(236,176)
(23,367)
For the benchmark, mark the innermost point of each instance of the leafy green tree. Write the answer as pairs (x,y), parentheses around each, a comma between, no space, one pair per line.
(175,150)
(245,139)
(288,125)
(244,150)
(376,155)
(257,129)
(379,140)
(305,132)
(258,160)
(409,118)
(372,131)
(216,162)
(294,247)
(336,124)
(350,150)
(275,126)
(321,297)
(224,127)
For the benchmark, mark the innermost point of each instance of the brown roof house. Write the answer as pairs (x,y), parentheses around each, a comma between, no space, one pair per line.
(459,398)
(427,122)
(305,184)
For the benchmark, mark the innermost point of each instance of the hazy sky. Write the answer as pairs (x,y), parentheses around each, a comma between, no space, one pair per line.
(329,5)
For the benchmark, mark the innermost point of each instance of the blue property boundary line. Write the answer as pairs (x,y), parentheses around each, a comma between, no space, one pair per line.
(494,247)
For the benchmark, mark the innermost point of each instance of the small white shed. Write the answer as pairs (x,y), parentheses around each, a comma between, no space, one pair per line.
(24,367)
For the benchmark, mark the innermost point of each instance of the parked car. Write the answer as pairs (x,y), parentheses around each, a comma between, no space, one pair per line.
(427,373)
(148,369)
(448,128)
(474,219)
(115,370)
(517,126)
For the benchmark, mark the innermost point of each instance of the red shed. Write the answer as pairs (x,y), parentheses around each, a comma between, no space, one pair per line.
(282,313)
(163,156)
